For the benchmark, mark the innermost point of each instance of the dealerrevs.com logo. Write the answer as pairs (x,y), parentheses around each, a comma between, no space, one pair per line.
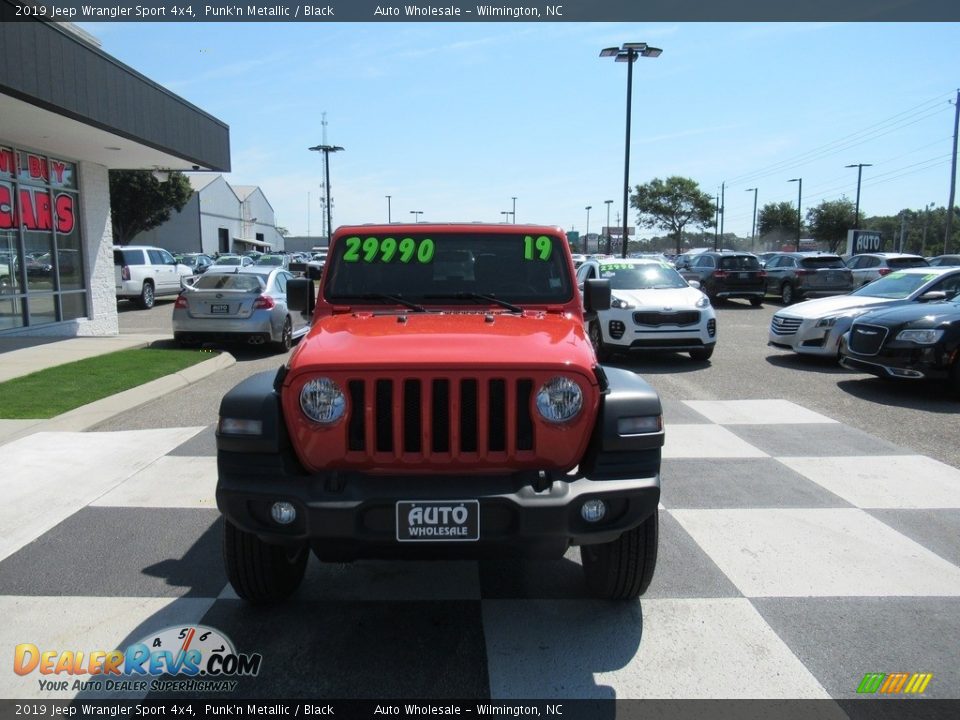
(199,658)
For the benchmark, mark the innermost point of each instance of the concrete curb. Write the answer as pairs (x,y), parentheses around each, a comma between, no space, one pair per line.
(87,416)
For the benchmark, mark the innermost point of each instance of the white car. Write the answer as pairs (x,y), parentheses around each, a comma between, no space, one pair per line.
(651,308)
(815,327)
(143,273)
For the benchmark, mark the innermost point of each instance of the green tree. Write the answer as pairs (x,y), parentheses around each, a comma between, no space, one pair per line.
(671,205)
(829,221)
(777,223)
(140,202)
(282,231)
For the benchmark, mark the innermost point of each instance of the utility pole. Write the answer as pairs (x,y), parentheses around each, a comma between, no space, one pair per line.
(753,231)
(723,204)
(953,175)
(903,229)
(308,213)
(716,223)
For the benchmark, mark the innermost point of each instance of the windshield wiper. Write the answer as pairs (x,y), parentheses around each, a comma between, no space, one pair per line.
(477,296)
(396,299)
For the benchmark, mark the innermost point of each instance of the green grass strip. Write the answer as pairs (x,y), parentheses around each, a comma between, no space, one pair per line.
(48,393)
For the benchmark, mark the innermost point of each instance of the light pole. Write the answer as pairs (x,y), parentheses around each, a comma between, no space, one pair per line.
(416,215)
(753,232)
(586,235)
(513,214)
(926,221)
(388,209)
(608,203)
(716,223)
(506,214)
(326,150)
(856,214)
(628,53)
(799,198)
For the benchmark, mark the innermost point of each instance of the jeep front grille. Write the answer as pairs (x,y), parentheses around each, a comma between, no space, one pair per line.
(465,416)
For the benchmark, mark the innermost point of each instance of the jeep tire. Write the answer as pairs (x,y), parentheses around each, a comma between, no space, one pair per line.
(622,569)
(261,573)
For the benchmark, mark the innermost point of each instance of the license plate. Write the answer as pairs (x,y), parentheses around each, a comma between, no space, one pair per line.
(438,521)
(220,309)
(744,276)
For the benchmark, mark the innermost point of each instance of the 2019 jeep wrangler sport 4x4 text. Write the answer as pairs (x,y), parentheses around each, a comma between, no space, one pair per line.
(446,403)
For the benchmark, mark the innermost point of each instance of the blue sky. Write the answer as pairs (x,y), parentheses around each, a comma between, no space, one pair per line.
(456,119)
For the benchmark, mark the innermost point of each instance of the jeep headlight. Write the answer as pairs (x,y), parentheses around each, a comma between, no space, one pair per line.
(702,302)
(920,337)
(620,303)
(559,400)
(323,401)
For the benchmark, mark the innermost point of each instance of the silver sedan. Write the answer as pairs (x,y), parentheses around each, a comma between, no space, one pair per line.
(815,327)
(238,305)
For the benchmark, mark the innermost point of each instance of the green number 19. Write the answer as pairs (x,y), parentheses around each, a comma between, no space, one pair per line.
(542,246)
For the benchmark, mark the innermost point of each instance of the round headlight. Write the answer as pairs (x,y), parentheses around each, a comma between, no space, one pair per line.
(322,401)
(559,399)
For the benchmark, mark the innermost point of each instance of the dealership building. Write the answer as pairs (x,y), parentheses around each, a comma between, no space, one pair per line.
(69,113)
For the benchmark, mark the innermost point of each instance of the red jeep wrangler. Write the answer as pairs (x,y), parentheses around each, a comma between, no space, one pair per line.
(445,404)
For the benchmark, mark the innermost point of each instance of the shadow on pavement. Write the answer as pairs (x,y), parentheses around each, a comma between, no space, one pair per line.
(808,363)
(927,395)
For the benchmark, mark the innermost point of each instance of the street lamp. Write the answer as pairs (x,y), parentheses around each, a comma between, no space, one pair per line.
(586,235)
(416,215)
(856,216)
(506,214)
(388,208)
(513,213)
(326,150)
(799,197)
(609,239)
(753,232)
(628,53)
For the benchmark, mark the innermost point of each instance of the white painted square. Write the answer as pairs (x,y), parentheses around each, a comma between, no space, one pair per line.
(682,648)
(756,412)
(817,553)
(172,481)
(85,624)
(897,481)
(48,476)
(706,441)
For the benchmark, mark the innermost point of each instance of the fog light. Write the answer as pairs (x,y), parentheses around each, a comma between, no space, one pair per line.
(283,513)
(593,510)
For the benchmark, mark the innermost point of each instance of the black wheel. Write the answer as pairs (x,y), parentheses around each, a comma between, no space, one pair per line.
(756,302)
(599,346)
(701,354)
(286,337)
(786,293)
(622,569)
(261,573)
(147,297)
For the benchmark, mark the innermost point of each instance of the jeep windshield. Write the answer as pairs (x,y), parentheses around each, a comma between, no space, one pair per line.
(442,268)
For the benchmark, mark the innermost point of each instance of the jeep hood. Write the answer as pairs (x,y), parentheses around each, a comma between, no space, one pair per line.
(444,340)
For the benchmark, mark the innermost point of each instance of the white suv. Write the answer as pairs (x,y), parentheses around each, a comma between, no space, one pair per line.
(144,273)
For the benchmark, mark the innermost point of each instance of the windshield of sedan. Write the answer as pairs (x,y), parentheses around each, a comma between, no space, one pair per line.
(242,282)
(646,276)
(445,267)
(895,286)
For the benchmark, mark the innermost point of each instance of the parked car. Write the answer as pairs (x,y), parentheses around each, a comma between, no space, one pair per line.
(910,341)
(729,274)
(795,276)
(198,262)
(764,257)
(282,261)
(234,261)
(144,273)
(867,267)
(651,308)
(815,327)
(238,305)
(944,260)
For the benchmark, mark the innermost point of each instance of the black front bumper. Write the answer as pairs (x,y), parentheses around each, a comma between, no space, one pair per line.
(353,515)
(909,363)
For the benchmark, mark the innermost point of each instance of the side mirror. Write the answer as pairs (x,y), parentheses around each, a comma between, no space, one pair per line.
(596,297)
(314,272)
(301,295)
(694,284)
(933,296)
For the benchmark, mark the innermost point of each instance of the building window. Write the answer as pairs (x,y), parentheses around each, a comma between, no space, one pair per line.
(41,256)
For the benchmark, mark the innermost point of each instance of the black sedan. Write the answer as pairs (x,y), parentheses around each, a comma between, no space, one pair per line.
(909,341)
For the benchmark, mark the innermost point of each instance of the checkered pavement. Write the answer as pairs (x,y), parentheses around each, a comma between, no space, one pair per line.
(796,555)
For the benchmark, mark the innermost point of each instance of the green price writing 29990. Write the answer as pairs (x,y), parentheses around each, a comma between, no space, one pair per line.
(388,249)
